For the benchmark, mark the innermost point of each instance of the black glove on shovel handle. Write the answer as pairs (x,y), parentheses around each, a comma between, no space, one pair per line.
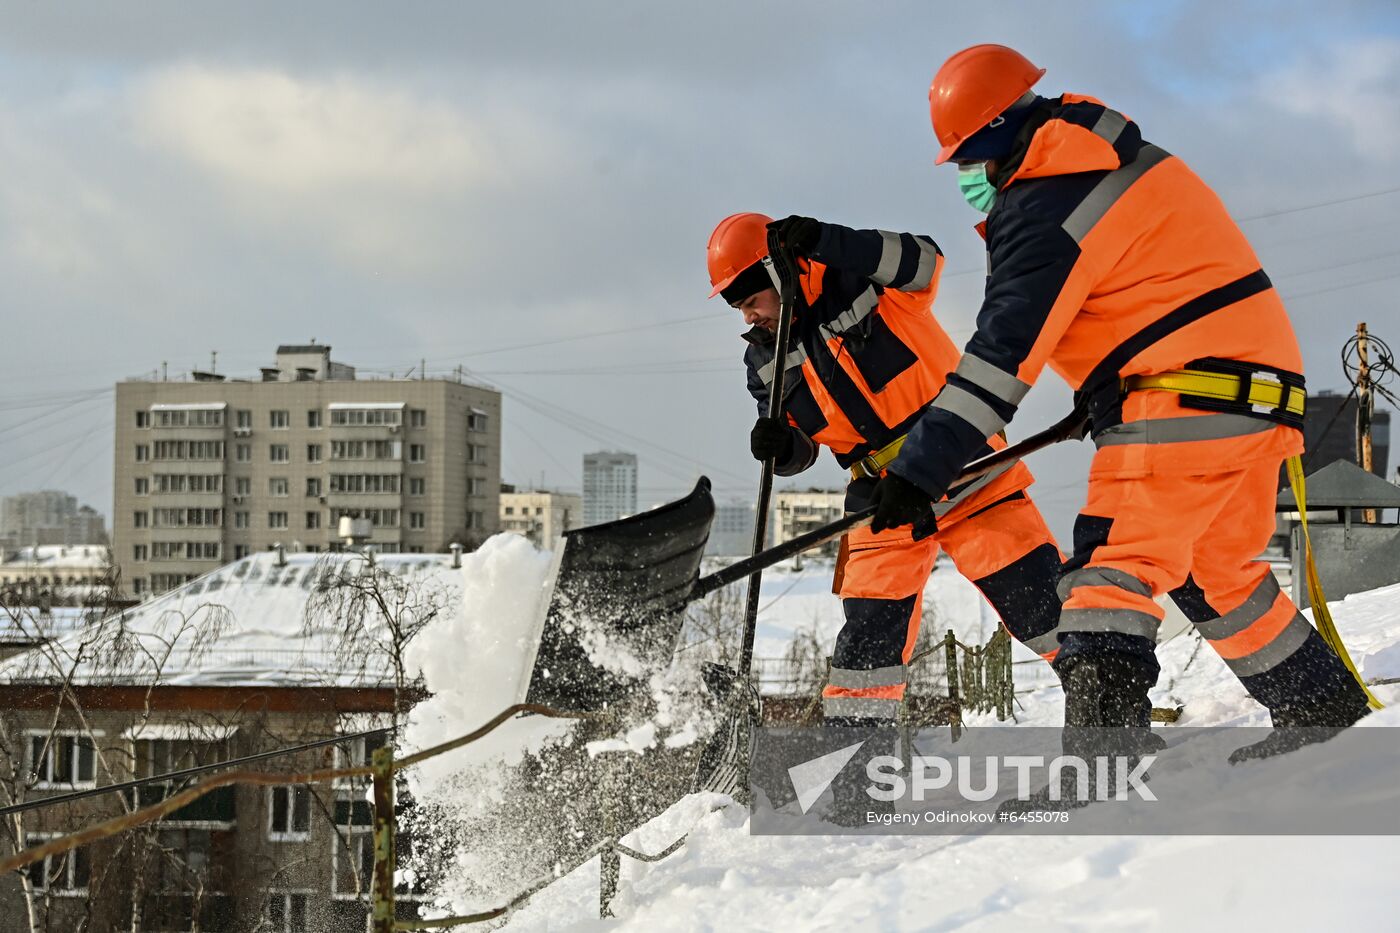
(799,234)
(771,439)
(899,502)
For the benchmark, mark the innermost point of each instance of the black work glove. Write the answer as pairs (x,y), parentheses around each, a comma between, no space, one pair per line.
(771,439)
(799,234)
(899,502)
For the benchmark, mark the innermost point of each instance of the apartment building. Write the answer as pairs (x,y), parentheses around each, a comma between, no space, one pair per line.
(540,516)
(609,486)
(212,469)
(797,513)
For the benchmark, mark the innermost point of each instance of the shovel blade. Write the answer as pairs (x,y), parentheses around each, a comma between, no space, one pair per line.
(616,610)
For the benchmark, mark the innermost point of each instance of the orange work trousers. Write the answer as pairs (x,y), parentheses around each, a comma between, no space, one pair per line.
(1005,549)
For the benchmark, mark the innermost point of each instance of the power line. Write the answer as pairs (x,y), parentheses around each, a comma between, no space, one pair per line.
(1312,207)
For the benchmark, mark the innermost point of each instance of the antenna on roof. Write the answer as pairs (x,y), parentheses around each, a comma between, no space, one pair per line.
(213,361)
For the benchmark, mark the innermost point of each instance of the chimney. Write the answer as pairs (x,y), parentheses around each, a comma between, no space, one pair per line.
(456,554)
(281,554)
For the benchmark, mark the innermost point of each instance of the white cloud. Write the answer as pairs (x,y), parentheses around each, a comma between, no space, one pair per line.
(1352,85)
(265,128)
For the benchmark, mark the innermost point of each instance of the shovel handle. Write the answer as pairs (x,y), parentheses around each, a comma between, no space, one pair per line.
(1071,426)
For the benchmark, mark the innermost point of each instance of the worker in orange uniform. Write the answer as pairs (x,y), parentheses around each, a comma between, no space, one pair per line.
(865,358)
(1113,263)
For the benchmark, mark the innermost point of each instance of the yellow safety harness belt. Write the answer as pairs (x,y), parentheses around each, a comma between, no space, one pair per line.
(1263,393)
(871,466)
(1268,395)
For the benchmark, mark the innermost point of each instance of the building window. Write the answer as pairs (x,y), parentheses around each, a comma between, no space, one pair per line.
(313,453)
(476,453)
(243,453)
(143,486)
(189,450)
(277,520)
(286,912)
(240,520)
(62,759)
(417,418)
(417,453)
(368,483)
(365,417)
(240,551)
(289,812)
(279,453)
(138,585)
(60,875)
(243,486)
(313,417)
(366,450)
(243,418)
(476,420)
(313,486)
(313,519)
(140,552)
(415,520)
(475,486)
(140,519)
(510,510)
(143,419)
(143,453)
(279,420)
(278,486)
(473,520)
(416,485)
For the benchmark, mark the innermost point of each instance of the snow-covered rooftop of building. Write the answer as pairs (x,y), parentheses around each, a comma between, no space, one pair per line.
(59,556)
(255,622)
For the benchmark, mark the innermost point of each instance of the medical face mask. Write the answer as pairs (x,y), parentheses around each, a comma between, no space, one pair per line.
(976,187)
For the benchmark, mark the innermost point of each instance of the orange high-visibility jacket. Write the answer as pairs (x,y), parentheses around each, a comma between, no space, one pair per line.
(866,355)
(1108,257)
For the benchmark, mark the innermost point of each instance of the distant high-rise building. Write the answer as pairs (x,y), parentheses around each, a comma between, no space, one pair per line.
(49,517)
(1329,433)
(609,486)
(213,469)
(731,534)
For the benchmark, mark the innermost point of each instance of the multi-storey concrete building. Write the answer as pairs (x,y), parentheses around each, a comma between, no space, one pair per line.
(609,486)
(213,469)
(540,516)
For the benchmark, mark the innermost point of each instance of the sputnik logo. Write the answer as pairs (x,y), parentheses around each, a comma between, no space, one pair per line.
(811,778)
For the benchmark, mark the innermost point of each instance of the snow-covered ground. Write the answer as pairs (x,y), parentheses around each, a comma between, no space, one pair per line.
(723,878)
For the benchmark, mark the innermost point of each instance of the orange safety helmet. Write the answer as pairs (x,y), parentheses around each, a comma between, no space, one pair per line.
(972,88)
(738,242)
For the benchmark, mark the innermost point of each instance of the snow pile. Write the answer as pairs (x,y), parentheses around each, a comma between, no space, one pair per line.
(475,662)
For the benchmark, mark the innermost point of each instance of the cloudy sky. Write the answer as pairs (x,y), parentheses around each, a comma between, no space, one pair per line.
(525,190)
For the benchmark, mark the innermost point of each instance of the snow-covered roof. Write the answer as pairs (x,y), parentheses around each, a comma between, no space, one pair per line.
(59,556)
(247,623)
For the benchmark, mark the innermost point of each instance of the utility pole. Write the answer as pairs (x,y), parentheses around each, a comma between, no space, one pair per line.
(1365,408)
